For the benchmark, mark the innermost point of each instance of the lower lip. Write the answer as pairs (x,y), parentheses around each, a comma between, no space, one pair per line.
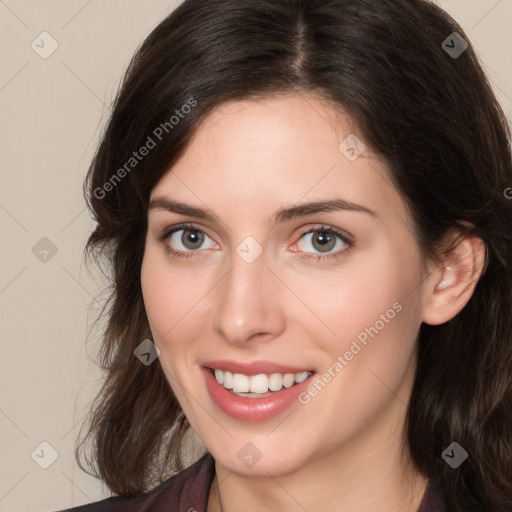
(252,409)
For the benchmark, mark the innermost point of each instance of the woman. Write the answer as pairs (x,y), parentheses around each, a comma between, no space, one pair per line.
(303,205)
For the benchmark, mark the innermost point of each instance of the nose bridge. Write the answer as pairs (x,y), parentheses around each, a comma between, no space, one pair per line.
(246,303)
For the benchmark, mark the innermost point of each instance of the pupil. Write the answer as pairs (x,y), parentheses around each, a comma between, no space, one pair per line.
(192,237)
(324,239)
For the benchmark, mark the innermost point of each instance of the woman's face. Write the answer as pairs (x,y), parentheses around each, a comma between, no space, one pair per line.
(248,293)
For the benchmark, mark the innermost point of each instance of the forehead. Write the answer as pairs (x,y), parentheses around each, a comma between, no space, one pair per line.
(260,153)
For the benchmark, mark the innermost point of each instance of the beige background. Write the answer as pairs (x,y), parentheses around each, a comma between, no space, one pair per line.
(52,111)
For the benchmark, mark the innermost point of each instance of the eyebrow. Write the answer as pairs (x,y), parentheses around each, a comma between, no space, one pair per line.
(282,215)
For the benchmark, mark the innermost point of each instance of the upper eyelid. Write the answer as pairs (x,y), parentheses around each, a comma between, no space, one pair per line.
(168,231)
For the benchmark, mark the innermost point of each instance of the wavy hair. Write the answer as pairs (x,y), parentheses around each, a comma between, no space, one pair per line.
(429,114)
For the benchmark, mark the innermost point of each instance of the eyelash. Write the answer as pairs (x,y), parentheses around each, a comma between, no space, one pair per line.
(167,233)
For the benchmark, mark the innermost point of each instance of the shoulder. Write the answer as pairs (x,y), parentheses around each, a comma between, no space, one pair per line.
(186,491)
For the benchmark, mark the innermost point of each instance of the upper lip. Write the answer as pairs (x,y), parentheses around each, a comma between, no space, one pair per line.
(253,367)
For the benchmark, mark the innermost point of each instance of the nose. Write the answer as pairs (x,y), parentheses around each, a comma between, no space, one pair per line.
(247,303)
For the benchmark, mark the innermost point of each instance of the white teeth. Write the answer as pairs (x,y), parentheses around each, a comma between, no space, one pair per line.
(241,383)
(228,380)
(219,375)
(275,382)
(261,383)
(288,380)
(301,377)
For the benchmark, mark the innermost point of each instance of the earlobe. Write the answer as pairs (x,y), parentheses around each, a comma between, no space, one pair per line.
(448,289)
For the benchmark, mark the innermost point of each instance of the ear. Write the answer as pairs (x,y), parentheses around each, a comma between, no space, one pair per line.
(448,288)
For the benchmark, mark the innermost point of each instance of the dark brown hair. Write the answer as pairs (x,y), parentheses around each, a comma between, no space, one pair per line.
(430,115)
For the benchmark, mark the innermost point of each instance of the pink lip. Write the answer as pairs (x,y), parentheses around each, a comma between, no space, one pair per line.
(253,409)
(253,368)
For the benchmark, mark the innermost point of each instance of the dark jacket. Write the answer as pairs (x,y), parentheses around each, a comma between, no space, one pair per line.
(188,491)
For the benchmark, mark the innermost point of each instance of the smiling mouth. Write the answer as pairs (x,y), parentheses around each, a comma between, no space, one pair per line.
(260,385)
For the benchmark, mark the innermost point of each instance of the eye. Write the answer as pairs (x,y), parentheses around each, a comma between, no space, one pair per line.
(184,240)
(324,239)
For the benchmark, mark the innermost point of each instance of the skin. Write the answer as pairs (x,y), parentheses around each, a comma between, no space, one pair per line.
(341,451)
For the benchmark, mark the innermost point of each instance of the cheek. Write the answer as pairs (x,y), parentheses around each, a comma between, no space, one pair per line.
(370,354)
(175,299)
(376,297)
(375,314)
(377,330)
(154,285)
(167,297)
